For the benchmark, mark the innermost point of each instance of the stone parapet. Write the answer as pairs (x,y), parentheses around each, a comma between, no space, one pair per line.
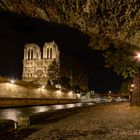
(15,102)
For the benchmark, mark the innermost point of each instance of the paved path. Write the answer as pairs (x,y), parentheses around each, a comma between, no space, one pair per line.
(101,122)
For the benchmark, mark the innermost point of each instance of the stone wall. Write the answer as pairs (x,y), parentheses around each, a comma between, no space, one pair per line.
(14,102)
(9,90)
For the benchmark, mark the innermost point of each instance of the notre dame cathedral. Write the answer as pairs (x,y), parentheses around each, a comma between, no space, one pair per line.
(37,62)
(43,65)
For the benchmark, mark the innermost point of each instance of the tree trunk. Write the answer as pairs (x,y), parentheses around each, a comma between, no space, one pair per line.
(135,98)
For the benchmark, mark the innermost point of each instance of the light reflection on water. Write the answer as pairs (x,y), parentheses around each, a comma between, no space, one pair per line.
(70,105)
(10,114)
(38,109)
(79,104)
(15,113)
(55,107)
(90,103)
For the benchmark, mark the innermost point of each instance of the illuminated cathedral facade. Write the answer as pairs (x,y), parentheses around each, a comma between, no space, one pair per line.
(37,62)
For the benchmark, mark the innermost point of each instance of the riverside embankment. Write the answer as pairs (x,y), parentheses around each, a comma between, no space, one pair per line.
(22,93)
(117,121)
(17,102)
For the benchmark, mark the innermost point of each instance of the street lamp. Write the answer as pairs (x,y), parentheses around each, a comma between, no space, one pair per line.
(58,94)
(12,81)
(131,90)
(138,55)
(43,87)
(132,85)
(58,86)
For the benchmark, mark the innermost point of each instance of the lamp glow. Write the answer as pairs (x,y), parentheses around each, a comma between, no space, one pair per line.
(12,81)
(132,85)
(138,55)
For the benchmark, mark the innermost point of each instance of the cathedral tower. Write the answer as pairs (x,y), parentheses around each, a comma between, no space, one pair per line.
(31,51)
(50,51)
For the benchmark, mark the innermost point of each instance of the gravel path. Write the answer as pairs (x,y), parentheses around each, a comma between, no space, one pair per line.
(101,122)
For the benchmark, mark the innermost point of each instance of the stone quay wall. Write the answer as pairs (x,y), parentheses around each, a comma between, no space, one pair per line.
(17,102)
(17,95)
(9,90)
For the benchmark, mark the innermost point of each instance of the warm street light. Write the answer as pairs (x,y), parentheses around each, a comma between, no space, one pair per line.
(58,94)
(58,86)
(132,85)
(12,81)
(137,56)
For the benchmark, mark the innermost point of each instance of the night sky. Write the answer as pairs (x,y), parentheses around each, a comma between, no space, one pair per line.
(16,30)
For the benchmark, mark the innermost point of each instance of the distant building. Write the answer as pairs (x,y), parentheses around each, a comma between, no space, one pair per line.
(36,63)
(47,65)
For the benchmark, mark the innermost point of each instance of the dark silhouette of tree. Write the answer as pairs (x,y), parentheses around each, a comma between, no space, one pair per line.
(75,71)
(64,82)
(53,74)
(54,70)
(123,62)
(125,88)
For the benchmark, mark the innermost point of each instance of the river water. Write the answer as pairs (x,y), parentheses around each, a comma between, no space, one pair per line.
(16,112)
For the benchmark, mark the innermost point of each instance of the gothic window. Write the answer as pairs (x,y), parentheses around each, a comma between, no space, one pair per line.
(50,52)
(29,54)
(47,52)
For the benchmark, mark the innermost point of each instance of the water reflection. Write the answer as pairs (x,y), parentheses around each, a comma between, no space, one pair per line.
(57,107)
(70,105)
(10,114)
(90,103)
(79,104)
(38,109)
(15,113)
